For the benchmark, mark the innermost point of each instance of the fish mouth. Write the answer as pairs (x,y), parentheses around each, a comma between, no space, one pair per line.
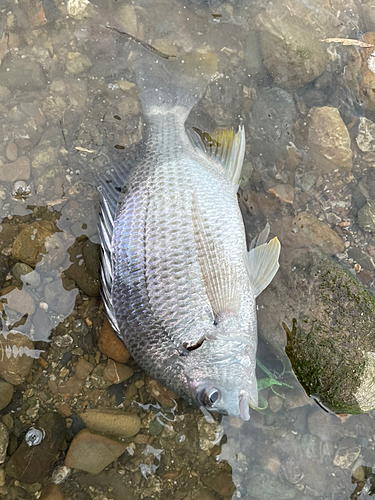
(244,406)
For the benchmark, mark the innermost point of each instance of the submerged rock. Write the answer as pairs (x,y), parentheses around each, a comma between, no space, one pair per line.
(85,256)
(16,357)
(112,422)
(366,216)
(329,333)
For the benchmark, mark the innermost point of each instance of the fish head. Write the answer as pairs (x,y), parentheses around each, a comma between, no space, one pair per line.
(226,383)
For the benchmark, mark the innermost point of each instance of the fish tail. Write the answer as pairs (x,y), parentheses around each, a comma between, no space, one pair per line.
(168,82)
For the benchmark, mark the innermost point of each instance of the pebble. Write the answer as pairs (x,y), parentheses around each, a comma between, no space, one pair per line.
(164,396)
(29,245)
(6,394)
(328,139)
(19,169)
(115,372)
(366,135)
(347,453)
(16,350)
(83,368)
(4,93)
(221,482)
(127,18)
(366,216)
(91,452)
(77,63)
(110,345)
(20,270)
(112,422)
(22,74)
(85,256)
(51,492)
(31,464)
(11,151)
(4,441)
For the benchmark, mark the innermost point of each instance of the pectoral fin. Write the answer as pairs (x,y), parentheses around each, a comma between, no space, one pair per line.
(222,283)
(262,263)
(226,147)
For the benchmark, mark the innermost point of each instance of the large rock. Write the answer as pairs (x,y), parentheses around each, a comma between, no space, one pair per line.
(31,464)
(328,318)
(291,53)
(328,139)
(92,453)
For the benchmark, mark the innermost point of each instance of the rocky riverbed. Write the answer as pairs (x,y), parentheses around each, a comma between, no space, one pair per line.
(78,419)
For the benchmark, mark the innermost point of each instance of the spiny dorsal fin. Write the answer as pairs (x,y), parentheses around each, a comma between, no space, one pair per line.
(226,147)
(262,263)
(223,284)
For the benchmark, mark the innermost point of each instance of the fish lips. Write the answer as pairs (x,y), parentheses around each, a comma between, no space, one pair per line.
(244,405)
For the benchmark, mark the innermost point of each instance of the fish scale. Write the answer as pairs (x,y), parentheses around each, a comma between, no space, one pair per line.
(178,281)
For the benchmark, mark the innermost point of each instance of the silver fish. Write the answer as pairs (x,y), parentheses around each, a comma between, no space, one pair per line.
(179,285)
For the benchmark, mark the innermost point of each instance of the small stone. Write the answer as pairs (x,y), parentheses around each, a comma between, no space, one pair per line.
(16,354)
(31,464)
(366,135)
(365,276)
(127,18)
(83,368)
(4,93)
(71,387)
(92,453)
(19,169)
(164,396)
(285,192)
(221,482)
(51,492)
(85,256)
(25,273)
(11,151)
(110,345)
(328,139)
(270,463)
(347,453)
(115,372)
(112,422)
(4,441)
(63,408)
(77,63)
(275,403)
(366,217)
(22,74)
(18,300)
(6,394)
(29,245)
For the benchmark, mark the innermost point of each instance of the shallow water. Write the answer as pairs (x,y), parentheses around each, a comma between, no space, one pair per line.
(69,112)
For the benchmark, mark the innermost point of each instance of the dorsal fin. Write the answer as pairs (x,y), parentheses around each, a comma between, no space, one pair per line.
(226,147)
(222,282)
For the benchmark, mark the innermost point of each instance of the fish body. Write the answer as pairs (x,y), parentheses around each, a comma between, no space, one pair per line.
(178,283)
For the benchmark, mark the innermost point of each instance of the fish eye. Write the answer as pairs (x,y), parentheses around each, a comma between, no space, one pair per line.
(209,397)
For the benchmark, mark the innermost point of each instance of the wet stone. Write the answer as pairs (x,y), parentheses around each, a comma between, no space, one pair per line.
(164,396)
(85,256)
(17,357)
(77,63)
(4,93)
(293,56)
(83,368)
(347,453)
(31,464)
(92,453)
(328,139)
(4,441)
(115,372)
(363,258)
(325,426)
(221,482)
(110,345)
(19,169)
(366,217)
(366,135)
(29,245)
(112,422)
(6,394)
(22,74)
(51,492)
(26,274)
(11,151)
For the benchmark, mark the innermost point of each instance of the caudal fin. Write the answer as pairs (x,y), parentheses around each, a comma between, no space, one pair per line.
(166,83)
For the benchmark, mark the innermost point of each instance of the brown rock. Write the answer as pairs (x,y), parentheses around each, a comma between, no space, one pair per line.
(221,482)
(92,453)
(18,170)
(29,245)
(306,231)
(285,192)
(63,408)
(83,368)
(16,351)
(328,139)
(164,396)
(112,422)
(71,387)
(51,492)
(115,372)
(6,394)
(110,345)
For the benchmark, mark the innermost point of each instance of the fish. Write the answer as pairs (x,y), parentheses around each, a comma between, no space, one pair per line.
(179,285)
